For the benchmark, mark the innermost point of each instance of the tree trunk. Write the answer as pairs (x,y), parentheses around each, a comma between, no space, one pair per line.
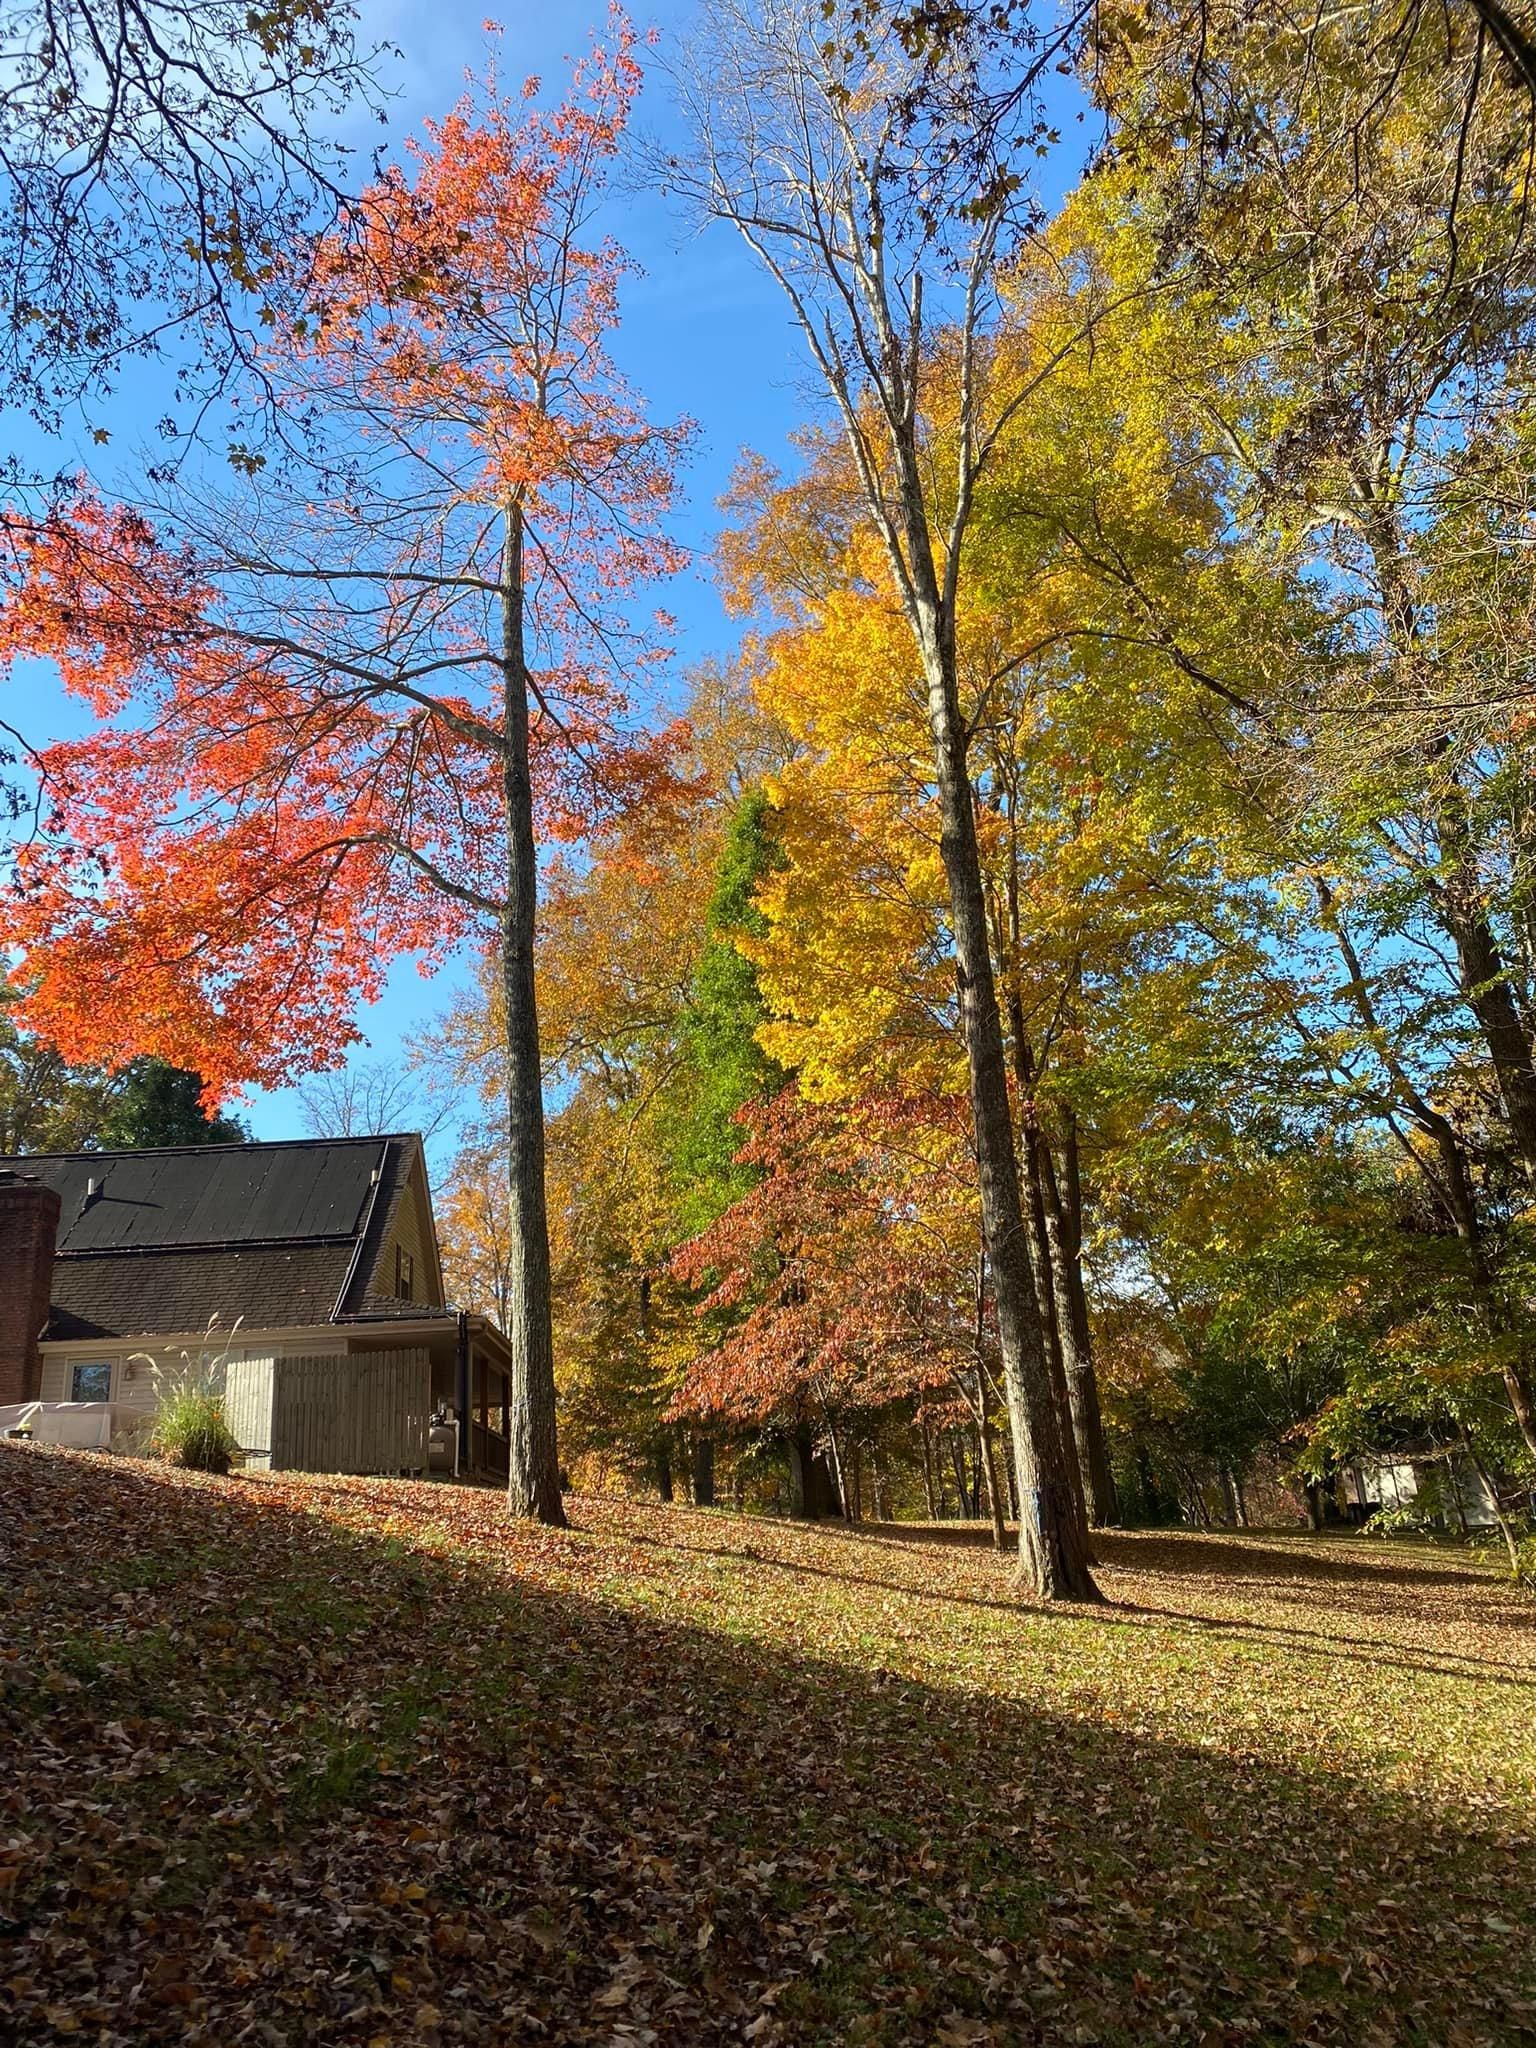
(1452,1186)
(1229,1490)
(928,1492)
(1457,1189)
(1064,1213)
(533,1484)
(1511,1545)
(1050,1282)
(1481,967)
(1194,1495)
(828,1487)
(962,1478)
(812,1491)
(1060,1252)
(834,1485)
(661,1462)
(1053,1558)
(1455,1490)
(802,1485)
(877,1483)
(1151,1491)
(989,1465)
(703,1471)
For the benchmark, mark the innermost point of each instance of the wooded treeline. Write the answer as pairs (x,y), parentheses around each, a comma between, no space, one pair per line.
(1054,1022)
(1241,642)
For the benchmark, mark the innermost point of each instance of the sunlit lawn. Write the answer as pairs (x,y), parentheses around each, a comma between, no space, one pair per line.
(351,1761)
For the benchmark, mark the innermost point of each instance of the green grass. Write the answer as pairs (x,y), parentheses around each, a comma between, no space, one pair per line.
(363,1762)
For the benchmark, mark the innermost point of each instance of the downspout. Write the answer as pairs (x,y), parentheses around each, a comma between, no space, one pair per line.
(463,1372)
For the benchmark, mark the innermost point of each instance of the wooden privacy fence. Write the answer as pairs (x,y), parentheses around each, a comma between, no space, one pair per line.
(367,1412)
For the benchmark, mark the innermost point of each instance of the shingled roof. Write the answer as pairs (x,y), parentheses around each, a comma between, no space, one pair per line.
(277,1235)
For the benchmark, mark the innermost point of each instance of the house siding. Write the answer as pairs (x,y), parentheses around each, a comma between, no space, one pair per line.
(409,1229)
(138,1377)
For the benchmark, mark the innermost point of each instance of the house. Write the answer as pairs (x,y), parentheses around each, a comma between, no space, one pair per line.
(1437,1484)
(305,1275)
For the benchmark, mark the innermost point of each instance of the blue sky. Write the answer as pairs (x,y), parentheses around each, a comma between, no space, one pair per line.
(704,334)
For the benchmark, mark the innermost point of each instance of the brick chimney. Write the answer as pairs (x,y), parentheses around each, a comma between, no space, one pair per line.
(29,1225)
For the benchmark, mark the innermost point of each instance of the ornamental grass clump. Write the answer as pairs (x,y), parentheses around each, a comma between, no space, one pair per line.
(190,1428)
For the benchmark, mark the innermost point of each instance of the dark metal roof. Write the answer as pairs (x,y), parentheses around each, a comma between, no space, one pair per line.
(208,1194)
(277,1235)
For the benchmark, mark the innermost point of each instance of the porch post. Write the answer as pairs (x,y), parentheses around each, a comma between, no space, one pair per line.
(463,1395)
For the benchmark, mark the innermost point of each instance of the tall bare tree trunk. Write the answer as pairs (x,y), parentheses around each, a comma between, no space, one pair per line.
(533,1485)
(986,1435)
(1067,1337)
(1064,1231)
(956,1443)
(879,1484)
(1049,1287)
(1456,1187)
(1053,1556)
(795,151)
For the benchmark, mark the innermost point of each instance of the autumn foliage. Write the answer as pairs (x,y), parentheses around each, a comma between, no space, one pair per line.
(832,1276)
(299,772)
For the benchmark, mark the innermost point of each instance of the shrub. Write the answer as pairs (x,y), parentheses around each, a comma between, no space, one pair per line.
(190,1428)
(1420,1516)
(1522,1559)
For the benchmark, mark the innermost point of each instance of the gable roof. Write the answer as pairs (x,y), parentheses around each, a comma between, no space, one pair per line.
(159,1242)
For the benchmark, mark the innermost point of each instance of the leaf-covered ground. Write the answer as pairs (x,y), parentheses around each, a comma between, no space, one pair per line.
(358,1762)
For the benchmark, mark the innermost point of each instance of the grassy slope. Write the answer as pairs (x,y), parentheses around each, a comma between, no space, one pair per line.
(358,1762)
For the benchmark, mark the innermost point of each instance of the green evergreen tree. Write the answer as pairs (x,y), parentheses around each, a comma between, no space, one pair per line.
(728,1068)
(156,1104)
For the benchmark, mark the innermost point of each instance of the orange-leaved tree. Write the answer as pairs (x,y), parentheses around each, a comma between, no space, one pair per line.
(343,708)
(838,1282)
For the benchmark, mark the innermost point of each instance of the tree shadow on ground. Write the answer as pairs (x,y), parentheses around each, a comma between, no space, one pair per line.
(1365,1650)
(1242,1553)
(284,1782)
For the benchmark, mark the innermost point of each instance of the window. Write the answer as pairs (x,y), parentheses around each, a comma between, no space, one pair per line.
(91,1383)
(405,1275)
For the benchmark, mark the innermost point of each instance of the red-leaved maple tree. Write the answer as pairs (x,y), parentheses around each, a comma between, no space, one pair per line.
(841,1275)
(343,705)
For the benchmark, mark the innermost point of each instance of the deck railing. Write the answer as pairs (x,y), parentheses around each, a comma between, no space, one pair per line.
(489,1453)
